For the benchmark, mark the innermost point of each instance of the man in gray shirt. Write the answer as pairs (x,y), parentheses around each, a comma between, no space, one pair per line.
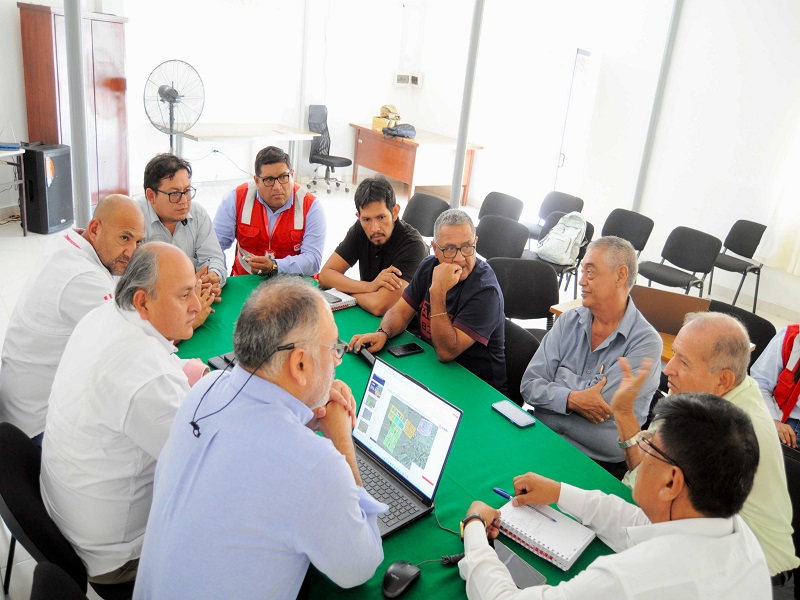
(575,371)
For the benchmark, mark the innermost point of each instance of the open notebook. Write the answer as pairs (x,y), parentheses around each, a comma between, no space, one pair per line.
(541,529)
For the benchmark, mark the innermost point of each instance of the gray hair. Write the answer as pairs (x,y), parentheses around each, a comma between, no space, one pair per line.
(619,252)
(452,216)
(283,310)
(731,342)
(140,274)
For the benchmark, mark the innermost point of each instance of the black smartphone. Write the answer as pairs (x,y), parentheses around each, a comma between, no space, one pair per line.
(405,350)
(223,361)
(522,573)
(514,413)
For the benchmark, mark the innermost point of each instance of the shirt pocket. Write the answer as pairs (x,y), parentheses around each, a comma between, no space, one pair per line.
(247,233)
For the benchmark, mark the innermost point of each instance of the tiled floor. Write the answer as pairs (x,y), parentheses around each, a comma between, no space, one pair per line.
(18,256)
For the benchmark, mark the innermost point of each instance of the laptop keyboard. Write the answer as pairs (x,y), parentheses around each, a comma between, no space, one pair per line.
(381,489)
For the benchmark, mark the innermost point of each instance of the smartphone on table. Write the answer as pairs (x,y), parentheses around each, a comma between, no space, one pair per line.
(514,413)
(405,350)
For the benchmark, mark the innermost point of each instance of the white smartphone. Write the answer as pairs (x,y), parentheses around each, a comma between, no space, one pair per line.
(514,413)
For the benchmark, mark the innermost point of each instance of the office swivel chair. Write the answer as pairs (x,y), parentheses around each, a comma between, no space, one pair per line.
(743,239)
(321,147)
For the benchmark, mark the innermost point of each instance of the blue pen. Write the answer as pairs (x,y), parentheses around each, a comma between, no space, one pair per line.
(507,496)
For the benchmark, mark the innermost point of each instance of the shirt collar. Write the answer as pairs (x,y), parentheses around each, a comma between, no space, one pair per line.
(283,208)
(705,527)
(267,392)
(132,317)
(623,328)
(153,218)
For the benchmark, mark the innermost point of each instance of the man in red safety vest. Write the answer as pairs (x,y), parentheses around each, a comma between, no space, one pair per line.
(277,228)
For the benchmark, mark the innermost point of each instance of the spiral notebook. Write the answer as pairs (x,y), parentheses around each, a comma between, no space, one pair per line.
(338,300)
(550,534)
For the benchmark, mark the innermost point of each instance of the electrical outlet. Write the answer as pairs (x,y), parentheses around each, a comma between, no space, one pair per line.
(416,80)
(402,80)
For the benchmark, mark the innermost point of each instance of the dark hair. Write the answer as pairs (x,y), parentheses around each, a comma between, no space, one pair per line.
(140,274)
(716,447)
(285,306)
(269,156)
(164,166)
(374,189)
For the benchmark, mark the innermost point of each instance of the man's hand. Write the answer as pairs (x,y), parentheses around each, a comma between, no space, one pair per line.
(531,488)
(373,341)
(340,394)
(625,396)
(259,265)
(206,296)
(445,276)
(786,434)
(205,275)
(389,278)
(489,514)
(589,403)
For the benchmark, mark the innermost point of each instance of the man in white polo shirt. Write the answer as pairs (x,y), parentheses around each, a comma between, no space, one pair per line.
(114,396)
(77,275)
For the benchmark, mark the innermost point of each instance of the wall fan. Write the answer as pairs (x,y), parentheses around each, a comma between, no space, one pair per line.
(173,98)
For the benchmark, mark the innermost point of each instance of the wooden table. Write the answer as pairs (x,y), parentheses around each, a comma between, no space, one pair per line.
(428,159)
(14,158)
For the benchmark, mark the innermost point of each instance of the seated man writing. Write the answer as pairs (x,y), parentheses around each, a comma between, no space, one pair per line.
(387,250)
(684,540)
(576,371)
(459,302)
(711,354)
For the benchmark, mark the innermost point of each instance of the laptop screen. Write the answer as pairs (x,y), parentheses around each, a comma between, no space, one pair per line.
(409,428)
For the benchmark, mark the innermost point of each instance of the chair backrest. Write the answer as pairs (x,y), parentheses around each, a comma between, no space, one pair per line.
(530,287)
(561,202)
(744,237)
(501,236)
(521,345)
(692,250)
(758,328)
(422,211)
(550,221)
(629,225)
(497,203)
(23,510)
(318,123)
(50,581)
(791,460)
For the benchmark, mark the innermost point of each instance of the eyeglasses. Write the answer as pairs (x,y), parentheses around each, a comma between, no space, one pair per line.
(175,197)
(450,251)
(270,181)
(338,348)
(645,443)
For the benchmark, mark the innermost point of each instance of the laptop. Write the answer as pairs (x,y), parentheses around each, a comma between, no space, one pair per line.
(403,436)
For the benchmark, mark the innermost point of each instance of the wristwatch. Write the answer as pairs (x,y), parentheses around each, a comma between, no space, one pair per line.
(630,442)
(274,269)
(468,518)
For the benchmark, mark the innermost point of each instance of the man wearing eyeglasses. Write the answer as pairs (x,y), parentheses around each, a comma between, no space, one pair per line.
(277,228)
(711,354)
(247,496)
(459,303)
(684,539)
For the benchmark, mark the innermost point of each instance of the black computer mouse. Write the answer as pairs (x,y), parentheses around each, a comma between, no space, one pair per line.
(399,577)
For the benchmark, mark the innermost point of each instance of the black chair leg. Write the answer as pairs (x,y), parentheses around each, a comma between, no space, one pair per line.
(711,281)
(739,289)
(755,296)
(11,547)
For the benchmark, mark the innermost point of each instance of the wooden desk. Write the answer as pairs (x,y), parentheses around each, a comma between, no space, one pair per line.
(14,158)
(428,159)
(272,132)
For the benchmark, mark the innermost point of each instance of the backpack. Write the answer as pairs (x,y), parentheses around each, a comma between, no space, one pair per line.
(403,130)
(562,244)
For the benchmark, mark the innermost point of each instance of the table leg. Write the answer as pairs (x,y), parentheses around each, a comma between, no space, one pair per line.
(355,156)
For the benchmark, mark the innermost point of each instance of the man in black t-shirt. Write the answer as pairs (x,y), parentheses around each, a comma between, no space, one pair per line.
(459,302)
(386,249)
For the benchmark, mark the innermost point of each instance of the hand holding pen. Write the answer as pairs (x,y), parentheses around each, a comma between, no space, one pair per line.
(531,488)
(507,496)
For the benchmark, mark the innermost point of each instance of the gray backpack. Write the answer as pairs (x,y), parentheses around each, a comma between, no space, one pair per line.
(562,244)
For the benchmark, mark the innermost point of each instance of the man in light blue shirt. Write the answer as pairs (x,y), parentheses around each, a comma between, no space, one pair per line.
(575,371)
(246,494)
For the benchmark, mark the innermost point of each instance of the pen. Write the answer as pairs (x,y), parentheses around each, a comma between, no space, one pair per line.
(507,496)
(601,369)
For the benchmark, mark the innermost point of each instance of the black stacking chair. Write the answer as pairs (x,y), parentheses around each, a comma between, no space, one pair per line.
(791,460)
(50,581)
(530,288)
(743,239)
(553,202)
(321,148)
(497,203)
(521,345)
(422,211)
(686,248)
(26,517)
(631,226)
(500,236)
(758,328)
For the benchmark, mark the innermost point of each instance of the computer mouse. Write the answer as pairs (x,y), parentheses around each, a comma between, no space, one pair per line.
(399,577)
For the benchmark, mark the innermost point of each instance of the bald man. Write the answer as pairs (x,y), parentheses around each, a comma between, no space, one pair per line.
(77,274)
(112,403)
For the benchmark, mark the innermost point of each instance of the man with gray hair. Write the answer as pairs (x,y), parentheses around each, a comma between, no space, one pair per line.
(711,354)
(459,302)
(113,399)
(575,372)
(246,494)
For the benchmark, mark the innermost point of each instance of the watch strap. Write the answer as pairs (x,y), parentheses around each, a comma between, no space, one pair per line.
(471,517)
(630,442)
